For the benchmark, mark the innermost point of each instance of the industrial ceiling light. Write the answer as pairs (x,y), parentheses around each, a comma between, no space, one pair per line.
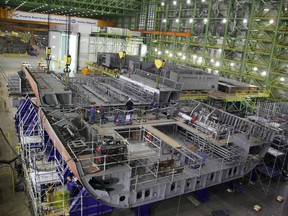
(166,51)
(266,9)
(162,3)
(164,20)
(174,2)
(280,199)
(282,79)
(155,49)
(224,20)
(159,52)
(188,1)
(212,60)
(122,54)
(170,54)
(203,1)
(180,54)
(255,68)
(245,21)
(232,64)
(217,64)
(205,20)
(159,65)
(271,21)
(177,20)
(190,20)
(263,73)
(20,5)
(184,57)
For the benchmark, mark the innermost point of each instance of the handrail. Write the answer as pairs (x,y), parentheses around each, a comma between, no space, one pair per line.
(7,79)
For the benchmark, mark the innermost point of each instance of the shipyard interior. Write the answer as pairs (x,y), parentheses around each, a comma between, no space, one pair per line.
(144,107)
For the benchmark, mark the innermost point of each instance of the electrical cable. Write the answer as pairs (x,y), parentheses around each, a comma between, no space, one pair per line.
(7,142)
(9,161)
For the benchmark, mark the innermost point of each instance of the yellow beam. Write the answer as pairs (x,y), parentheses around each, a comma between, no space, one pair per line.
(23,28)
(24,21)
(179,34)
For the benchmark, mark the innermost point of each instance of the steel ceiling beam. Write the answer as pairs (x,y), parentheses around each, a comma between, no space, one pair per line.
(95,7)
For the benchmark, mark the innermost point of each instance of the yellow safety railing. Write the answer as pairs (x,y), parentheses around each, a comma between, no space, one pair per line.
(264,93)
(241,96)
(19,148)
(103,70)
(193,95)
(15,55)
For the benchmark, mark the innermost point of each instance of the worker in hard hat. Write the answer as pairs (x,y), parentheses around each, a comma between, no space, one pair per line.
(92,114)
(148,137)
(129,72)
(72,187)
(102,113)
(129,104)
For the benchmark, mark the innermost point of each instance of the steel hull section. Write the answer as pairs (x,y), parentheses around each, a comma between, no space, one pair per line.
(127,193)
(74,165)
(32,82)
(158,190)
(59,145)
(161,190)
(57,142)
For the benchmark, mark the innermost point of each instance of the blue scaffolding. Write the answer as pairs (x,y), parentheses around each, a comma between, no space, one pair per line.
(28,124)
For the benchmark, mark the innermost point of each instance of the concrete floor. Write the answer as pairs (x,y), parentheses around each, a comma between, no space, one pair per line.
(236,204)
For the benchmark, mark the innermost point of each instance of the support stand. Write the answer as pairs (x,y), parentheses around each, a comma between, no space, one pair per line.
(143,210)
(202,195)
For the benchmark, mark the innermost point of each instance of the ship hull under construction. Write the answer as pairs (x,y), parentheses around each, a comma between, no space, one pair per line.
(134,164)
